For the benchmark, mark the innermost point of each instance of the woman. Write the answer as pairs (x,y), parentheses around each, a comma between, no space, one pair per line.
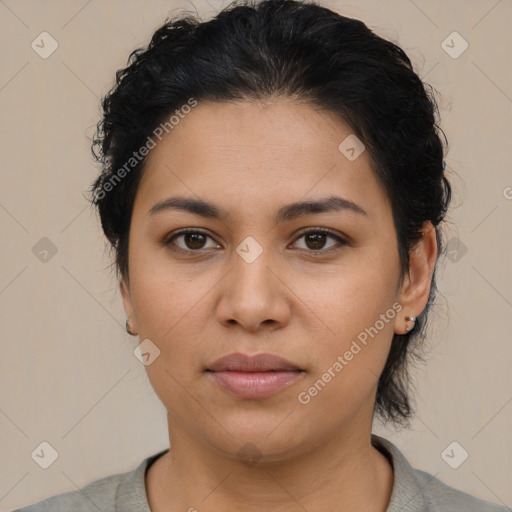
(273,188)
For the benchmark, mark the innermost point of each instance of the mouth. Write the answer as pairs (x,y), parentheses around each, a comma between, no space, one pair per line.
(254,377)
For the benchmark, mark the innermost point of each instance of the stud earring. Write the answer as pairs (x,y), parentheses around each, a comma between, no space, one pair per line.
(410,319)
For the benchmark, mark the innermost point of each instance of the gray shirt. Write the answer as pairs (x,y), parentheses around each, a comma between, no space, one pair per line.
(413,491)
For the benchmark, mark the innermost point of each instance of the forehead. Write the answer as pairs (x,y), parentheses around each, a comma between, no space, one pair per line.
(277,124)
(274,149)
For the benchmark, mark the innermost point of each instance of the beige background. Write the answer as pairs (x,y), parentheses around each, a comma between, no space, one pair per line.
(68,373)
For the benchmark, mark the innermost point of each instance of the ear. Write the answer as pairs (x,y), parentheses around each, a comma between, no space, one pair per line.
(415,289)
(128,305)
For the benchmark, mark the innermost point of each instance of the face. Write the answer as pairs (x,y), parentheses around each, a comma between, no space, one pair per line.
(317,286)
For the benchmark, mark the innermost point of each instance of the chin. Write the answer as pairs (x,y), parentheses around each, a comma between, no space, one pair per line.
(260,440)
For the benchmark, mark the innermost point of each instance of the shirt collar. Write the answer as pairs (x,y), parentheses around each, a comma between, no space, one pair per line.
(131,494)
(406,495)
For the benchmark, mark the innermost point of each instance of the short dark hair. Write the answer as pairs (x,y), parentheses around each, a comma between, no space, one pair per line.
(259,50)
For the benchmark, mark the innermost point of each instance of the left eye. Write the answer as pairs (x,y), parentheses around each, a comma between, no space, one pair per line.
(314,240)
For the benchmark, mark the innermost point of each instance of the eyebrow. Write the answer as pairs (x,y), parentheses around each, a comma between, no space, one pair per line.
(286,213)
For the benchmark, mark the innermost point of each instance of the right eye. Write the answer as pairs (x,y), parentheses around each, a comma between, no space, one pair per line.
(193,240)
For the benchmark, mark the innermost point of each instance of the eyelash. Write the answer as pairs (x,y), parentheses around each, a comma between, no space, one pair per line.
(168,241)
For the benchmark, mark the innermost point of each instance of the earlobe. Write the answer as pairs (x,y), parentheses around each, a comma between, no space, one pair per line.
(128,328)
(416,288)
(131,324)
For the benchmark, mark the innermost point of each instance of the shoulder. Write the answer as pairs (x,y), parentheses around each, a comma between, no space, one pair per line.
(418,491)
(441,497)
(99,494)
(122,491)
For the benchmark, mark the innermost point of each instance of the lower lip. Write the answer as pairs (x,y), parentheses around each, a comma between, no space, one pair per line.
(255,384)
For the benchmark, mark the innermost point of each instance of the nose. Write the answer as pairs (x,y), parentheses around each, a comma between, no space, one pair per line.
(254,295)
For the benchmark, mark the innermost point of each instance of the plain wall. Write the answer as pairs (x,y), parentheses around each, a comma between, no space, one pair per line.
(68,373)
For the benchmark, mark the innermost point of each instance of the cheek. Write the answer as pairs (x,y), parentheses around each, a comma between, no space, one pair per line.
(357,307)
(352,297)
(171,313)
(164,297)
(347,370)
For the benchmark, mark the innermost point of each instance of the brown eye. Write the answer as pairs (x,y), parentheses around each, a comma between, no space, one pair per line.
(194,240)
(190,240)
(316,240)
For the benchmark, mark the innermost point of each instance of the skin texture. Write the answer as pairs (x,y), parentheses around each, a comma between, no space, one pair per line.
(250,159)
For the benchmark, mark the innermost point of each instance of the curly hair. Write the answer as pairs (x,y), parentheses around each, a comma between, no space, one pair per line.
(257,50)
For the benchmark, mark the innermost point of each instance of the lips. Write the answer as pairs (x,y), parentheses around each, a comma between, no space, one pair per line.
(256,363)
(254,377)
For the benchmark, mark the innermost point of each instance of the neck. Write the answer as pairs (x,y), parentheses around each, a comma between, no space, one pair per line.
(345,473)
